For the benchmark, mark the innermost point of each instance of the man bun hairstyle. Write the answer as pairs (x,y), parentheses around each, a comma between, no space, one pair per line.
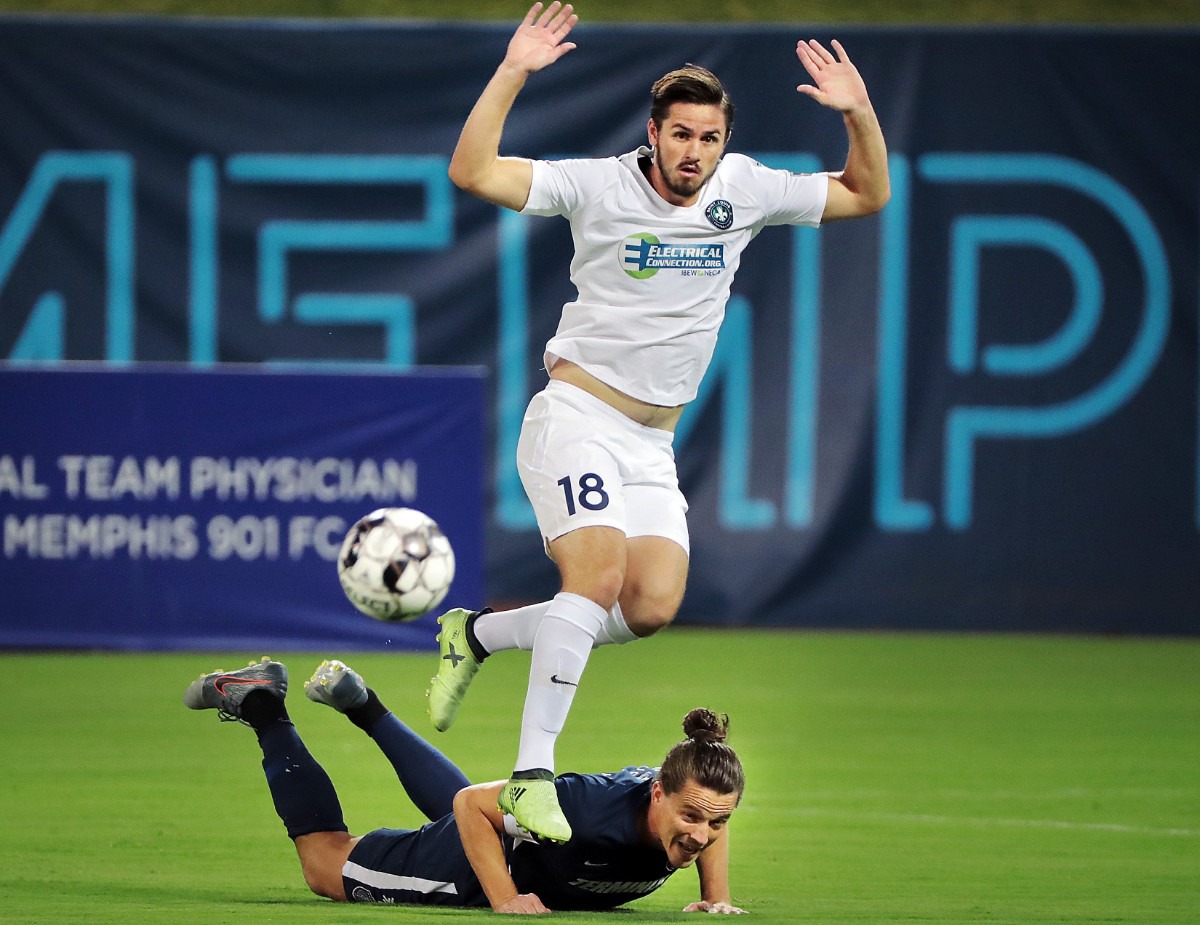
(703,756)
(689,84)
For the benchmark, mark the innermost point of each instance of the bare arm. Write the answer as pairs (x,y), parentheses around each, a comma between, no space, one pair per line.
(476,165)
(480,825)
(863,186)
(713,868)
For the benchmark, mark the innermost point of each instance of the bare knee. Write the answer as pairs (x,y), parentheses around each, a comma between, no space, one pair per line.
(322,857)
(602,585)
(648,620)
(592,563)
(654,585)
(647,612)
(324,882)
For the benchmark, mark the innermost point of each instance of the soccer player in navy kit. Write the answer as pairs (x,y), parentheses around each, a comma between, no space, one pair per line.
(633,828)
(658,235)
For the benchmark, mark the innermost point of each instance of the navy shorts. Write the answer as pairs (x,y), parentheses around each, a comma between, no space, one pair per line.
(426,866)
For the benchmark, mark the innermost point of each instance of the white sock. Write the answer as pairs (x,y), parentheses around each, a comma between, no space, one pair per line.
(560,653)
(510,629)
(615,631)
(517,629)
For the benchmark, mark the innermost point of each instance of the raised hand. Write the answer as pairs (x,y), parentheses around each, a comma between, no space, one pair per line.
(838,83)
(538,41)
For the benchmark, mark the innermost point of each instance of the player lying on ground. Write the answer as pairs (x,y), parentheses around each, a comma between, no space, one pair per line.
(633,828)
(658,234)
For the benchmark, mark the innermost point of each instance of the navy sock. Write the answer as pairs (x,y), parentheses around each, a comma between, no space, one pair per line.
(261,707)
(429,778)
(368,714)
(301,790)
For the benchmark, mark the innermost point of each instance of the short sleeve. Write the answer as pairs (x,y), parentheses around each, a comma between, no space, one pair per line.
(556,188)
(792,198)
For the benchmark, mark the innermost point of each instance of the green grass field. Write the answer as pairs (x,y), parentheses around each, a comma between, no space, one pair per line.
(892,778)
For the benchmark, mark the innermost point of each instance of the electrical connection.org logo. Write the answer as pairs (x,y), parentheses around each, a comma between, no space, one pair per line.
(642,255)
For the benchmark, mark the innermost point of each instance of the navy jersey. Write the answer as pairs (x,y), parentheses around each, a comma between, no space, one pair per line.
(605,863)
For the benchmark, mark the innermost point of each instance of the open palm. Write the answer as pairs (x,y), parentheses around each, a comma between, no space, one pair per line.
(538,41)
(838,84)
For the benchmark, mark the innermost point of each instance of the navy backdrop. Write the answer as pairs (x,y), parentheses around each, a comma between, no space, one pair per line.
(976,410)
(165,507)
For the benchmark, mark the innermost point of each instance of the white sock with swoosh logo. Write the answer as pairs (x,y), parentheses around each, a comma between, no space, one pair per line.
(560,653)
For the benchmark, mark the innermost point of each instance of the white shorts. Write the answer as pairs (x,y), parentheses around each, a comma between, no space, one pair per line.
(585,464)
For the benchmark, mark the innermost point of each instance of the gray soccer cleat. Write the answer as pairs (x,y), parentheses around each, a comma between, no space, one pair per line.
(224,691)
(336,685)
(456,669)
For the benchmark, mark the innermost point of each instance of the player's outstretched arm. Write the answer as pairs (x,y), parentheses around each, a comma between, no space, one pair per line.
(713,868)
(476,165)
(863,186)
(480,824)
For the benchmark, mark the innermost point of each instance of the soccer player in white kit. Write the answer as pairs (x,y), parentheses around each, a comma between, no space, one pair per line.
(658,235)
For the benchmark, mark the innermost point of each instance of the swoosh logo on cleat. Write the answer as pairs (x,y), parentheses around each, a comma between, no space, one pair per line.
(222,683)
(557,680)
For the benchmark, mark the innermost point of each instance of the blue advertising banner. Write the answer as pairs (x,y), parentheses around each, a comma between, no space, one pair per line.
(976,410)
(171,508)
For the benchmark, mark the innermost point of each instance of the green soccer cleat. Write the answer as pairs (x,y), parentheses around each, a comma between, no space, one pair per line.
(224,691)
(456,669)
(336,685)
(530,797)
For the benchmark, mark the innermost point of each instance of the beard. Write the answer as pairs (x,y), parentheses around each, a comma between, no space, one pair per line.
(682,186)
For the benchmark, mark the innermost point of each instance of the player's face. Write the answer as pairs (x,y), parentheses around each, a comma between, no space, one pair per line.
(687,147)
(687,822)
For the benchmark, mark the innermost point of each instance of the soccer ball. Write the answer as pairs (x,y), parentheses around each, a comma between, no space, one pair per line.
(395,564)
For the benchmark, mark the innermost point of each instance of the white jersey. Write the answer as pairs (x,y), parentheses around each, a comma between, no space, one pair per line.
(653,278)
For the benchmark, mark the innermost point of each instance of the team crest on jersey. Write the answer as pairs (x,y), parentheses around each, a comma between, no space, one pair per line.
(720,213)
